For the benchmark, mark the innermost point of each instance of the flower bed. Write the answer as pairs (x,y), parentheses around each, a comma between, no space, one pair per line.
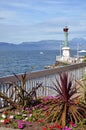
(65,111)
(34,118)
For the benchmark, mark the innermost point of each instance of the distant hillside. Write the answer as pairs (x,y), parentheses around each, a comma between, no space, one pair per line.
(7,46)
(78,42)
(43,45)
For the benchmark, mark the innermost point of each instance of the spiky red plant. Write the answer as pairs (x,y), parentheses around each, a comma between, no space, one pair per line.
(67,108)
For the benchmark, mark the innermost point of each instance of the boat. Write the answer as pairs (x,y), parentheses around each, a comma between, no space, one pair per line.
(82,51)
(47,67)
(41,53)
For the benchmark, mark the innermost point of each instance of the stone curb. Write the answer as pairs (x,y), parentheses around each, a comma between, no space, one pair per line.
(3,128)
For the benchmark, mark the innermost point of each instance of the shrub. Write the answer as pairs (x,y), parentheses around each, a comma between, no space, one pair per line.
(82,87)
(65,107)
(19,96)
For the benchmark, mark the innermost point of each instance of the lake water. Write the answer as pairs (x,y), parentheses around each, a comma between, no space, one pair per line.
(26,61)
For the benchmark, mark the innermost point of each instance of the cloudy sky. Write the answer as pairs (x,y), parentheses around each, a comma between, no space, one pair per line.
(35,20)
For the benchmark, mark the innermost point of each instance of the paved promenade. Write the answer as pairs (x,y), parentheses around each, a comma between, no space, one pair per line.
(2,128)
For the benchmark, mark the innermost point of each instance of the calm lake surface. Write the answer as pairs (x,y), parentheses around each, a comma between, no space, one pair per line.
(26,61)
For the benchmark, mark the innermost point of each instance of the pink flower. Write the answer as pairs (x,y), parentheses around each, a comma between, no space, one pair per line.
(11,116)
(26,108)
(27,123)
(21,126)
(66,128)
(72,124)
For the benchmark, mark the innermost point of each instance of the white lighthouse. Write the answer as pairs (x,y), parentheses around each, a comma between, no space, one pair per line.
(66,49)
(65,57)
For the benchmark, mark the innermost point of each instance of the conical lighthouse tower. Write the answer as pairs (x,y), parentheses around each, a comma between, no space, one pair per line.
(66,49)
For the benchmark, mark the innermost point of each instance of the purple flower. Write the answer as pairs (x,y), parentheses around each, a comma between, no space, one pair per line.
(26,108)
(73,124)
(27,123)
(45,108)
(37,106)
(47,98)
(66,128)
(21,126)
(30,111)
(85,116)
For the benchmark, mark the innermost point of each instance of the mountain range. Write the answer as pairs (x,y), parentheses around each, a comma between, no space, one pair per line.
(75,43)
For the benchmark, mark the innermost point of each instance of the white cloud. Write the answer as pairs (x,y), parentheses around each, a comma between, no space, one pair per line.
(29,20)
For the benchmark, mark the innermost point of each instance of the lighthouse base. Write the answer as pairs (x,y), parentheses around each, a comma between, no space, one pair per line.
(66,53)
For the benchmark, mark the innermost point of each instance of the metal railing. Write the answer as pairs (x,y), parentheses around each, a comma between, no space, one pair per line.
(47,77)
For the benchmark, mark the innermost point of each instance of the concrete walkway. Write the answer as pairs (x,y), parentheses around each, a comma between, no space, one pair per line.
(3,128)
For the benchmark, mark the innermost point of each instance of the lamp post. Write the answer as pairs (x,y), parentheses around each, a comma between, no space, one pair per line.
(60,50)
(78,47)
(77,50)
